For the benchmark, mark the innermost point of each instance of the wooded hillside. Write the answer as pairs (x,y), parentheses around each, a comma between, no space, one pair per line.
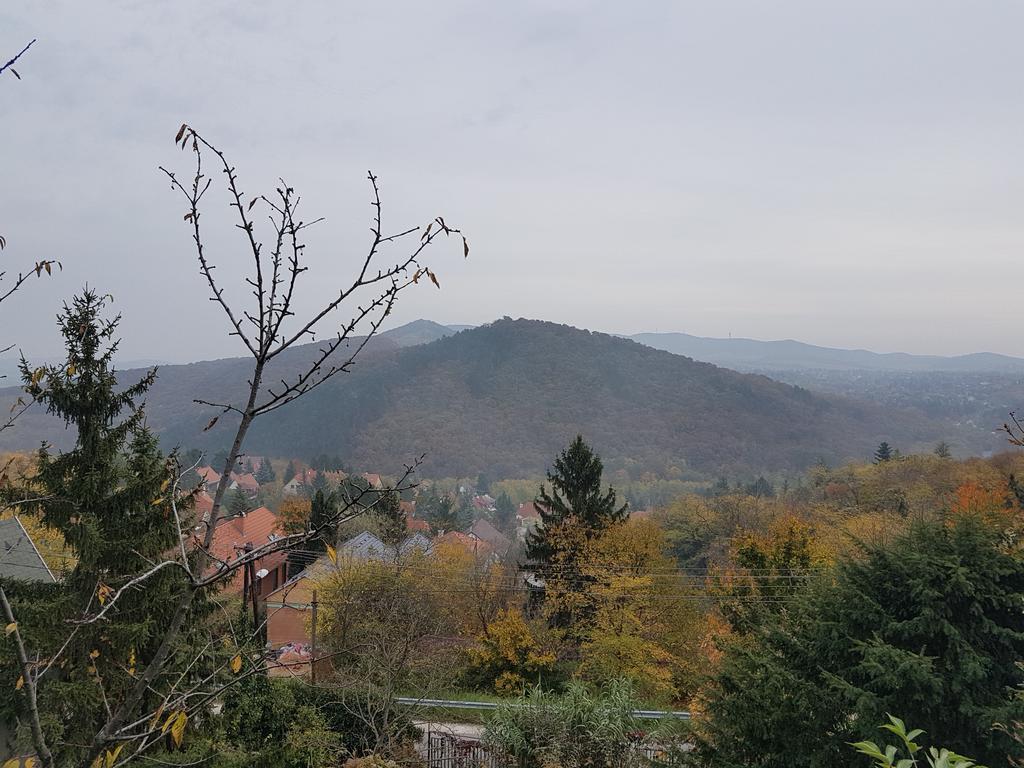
(502,398)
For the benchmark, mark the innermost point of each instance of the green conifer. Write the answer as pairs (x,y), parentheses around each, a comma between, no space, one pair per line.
(110,498)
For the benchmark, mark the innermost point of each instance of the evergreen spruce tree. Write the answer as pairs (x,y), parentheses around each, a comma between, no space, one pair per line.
(289,472)
(355,490)
(761,488)
(109,497)
(265,474)
(219,458)
(928,625)
(238,503)
(573,513)
(320,483)
(883,453)
(483,483)
(323,508)
(504,513)
(441,511)
(575,497)
(390,519)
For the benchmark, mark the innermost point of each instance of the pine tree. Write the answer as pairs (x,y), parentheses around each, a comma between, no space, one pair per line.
(238,503)
(574,513)
(265,474)
(761,488)
(483,483)
(891,631)
(323,508)
(289,473)
(883,453)
(390,518)
(109,498)
(575,496)
(439,510)
(504,513)
(320,483)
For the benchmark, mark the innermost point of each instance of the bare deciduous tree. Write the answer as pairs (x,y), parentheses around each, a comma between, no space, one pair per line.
(272,323)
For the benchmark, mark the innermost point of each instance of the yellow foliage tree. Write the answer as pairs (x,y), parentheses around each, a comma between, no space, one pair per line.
(293,514)
(49,541)
(509,654)
(637,603)
(473,586)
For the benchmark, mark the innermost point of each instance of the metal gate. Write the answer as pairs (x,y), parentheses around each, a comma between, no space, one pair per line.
(447,751)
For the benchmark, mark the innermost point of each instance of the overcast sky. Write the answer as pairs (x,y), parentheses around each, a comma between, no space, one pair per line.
(848,174)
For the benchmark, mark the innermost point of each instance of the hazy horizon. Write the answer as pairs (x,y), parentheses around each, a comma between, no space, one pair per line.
(846,176)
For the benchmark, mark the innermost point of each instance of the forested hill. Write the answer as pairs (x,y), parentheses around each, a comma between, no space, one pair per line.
(505,397)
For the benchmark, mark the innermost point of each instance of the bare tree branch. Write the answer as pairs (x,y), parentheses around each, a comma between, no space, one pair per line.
(28,682)
(10,63)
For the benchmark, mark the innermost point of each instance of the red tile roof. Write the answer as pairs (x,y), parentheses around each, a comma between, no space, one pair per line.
(246,481)
(209,475)
(414,525)
(204,505)
(527,510)
(254,528)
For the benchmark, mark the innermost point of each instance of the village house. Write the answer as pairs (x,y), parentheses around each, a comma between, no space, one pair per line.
(302,483)
(499,543)
(484,502)
(209,477)
(413,524)
(246,483)
(527,519)
(236,535)
(289,607)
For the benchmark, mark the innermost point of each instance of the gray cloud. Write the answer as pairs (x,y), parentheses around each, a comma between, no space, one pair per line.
(844,173)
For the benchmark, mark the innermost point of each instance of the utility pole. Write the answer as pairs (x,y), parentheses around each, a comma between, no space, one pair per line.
(312,640)
(250,570)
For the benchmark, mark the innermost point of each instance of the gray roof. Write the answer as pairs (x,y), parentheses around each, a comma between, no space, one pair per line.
(366,546)
(416,541)
(484,531)
(19,558)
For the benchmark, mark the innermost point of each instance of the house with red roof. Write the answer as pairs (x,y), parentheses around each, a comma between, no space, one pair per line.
(246,483)
(528,511)
(527,519)
(209,476)
(413,524)
(252,530)
(303,481)
(203,505)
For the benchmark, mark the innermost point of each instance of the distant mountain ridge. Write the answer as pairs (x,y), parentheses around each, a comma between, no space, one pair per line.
(755,355)
(505,397)
(421,332)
